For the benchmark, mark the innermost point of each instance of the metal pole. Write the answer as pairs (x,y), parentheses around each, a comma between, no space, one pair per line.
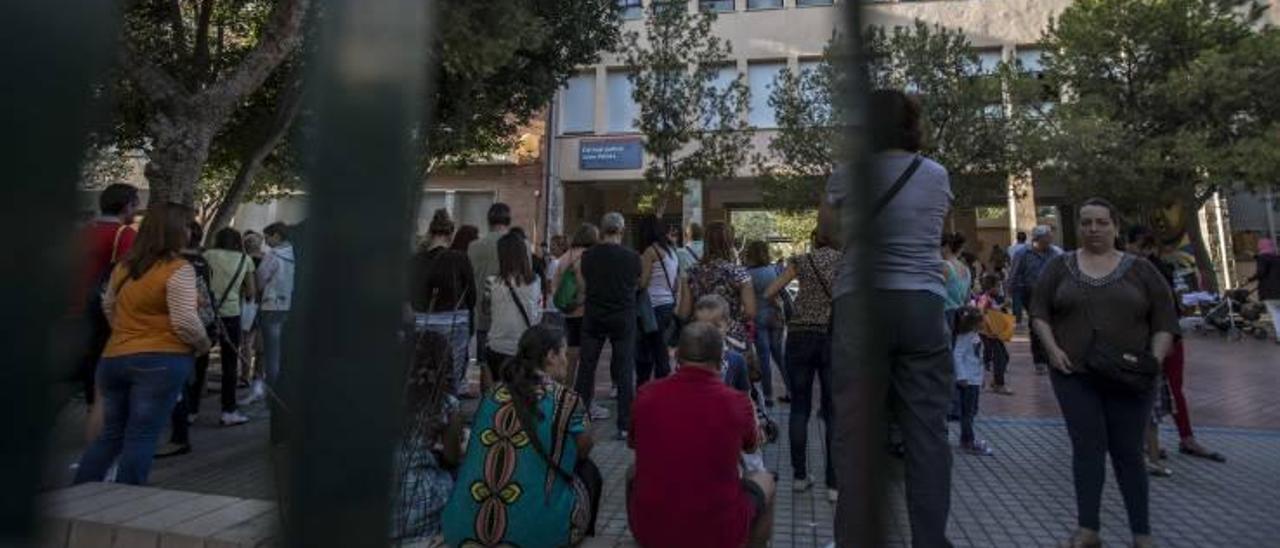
(860,422)
(55,52)
(345,366)
(1271,213)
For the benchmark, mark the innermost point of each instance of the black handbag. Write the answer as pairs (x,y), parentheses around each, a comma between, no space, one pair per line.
(1113,366)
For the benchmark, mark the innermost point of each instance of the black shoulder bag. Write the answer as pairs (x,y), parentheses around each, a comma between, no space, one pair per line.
(1131,370)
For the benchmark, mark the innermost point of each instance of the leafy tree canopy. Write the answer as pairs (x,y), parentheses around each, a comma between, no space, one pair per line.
(693,120)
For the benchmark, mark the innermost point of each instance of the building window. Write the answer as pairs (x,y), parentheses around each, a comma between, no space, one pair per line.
(807,3)
(763,4)
(578,104)
(724,77)
(720,6)
(431,201)
(631,9)
(1031,60)
(619,104)
(472,208)
(669,5)
(761,78)
(988,61)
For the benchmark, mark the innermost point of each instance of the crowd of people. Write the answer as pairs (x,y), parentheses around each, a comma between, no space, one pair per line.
(707,336)
(156,302)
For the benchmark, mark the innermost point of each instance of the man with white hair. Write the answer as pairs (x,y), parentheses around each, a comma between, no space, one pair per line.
(1027,266)
(611,276)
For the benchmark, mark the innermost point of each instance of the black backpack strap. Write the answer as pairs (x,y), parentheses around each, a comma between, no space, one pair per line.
(897,186)
(519,305)
(227,292)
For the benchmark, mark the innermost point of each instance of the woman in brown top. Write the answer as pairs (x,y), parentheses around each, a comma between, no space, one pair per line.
(1098,288)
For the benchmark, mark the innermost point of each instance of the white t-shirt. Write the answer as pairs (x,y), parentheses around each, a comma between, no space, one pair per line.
(507,323)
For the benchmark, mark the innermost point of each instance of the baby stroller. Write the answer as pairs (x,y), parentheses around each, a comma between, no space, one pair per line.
(1235,315)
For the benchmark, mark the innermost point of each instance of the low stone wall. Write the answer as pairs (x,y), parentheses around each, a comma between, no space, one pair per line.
(112,515)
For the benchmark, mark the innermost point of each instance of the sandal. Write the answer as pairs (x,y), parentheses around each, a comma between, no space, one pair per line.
(1202,453)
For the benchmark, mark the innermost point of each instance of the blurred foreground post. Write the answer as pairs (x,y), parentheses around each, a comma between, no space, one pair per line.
(860,516)
(54,52)
(343,369)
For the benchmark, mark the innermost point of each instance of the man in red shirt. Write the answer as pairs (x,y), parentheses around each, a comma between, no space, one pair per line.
(689,431)
(104,242)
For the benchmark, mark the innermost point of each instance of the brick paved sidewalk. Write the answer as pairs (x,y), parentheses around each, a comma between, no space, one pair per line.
(1022,496)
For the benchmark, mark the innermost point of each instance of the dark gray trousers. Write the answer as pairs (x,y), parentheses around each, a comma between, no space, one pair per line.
(910,335)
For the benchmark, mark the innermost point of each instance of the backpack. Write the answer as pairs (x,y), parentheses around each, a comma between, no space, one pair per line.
(566,296)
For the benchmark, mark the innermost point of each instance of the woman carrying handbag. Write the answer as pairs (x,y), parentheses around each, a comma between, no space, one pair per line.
(1106,319)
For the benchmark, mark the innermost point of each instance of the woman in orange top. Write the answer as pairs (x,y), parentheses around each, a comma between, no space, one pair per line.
(155,335)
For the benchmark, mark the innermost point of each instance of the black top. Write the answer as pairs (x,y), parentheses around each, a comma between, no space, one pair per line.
(1268,276)
(1126,306)
(611,273)
(444,275)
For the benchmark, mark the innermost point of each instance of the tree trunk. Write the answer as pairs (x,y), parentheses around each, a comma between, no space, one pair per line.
(1204,262)
(286,112)
(179,148)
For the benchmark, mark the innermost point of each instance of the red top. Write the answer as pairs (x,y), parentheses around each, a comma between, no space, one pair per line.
(101,250)
(688,431)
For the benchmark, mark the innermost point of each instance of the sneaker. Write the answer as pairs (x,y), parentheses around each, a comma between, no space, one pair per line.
(233,418)
(979,448)
(599,412)
(800,485)
(256,395)
(833,496)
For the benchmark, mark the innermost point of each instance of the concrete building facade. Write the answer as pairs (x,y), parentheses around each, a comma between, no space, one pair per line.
(595,113)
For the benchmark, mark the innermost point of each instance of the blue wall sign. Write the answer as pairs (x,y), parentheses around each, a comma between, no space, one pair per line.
(611,154)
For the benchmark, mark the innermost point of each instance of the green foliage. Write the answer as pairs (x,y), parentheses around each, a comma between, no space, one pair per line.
(788,232)
(1168,100)
(966,128)
(800,155)
(694,129)
(500,63)
(496,65)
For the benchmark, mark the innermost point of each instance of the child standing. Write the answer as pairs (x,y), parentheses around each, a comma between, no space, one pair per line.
(994,353)
(967,358)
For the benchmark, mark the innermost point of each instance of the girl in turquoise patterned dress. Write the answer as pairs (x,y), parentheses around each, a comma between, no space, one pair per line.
(517,489)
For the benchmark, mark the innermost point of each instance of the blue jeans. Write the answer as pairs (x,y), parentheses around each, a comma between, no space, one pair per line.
(138,393)
(456,327)
(809,355)
(272,322)
(769,346)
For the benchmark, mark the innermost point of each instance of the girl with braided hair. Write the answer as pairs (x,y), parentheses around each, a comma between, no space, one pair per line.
(526,480)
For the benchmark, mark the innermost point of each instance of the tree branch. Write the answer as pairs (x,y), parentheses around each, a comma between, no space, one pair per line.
(200,56)
(281,36)
(287,107)
(156,84)
(179,29)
